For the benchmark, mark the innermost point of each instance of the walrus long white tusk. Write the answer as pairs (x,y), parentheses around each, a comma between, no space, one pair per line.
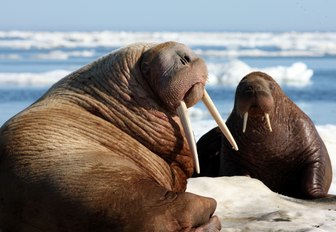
(245,121)
(182,112)
(215,114)
(268,122)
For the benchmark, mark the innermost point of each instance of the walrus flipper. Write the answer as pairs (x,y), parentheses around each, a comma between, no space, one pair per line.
(317,175)
(163,210)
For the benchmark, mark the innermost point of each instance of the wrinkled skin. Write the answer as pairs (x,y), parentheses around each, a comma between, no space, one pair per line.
(103,149)
(291,160)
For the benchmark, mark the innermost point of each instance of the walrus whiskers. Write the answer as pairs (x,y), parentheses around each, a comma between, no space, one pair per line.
(182,112)
(268,121)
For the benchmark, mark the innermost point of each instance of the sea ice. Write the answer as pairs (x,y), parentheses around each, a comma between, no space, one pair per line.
(246,204)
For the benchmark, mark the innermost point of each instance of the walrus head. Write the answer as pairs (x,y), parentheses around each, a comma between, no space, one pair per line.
(254,98)
(177,75)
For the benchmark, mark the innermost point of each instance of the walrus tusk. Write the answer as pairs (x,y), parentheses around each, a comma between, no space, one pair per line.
(245,121)
(182,112)
(268,122)
(215,114)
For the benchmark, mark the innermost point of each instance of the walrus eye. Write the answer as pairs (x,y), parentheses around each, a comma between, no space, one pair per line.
(145,68)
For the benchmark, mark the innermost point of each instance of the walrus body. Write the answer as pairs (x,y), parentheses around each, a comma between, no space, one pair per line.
(103,149)
(278,143)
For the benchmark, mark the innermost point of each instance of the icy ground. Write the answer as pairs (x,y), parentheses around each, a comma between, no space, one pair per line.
(246,204)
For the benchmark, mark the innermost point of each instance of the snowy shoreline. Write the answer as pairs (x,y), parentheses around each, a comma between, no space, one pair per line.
(246,204)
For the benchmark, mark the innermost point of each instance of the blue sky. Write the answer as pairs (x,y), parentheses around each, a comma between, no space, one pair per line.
(169,15)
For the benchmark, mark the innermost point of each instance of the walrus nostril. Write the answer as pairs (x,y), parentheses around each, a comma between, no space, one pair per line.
(185,59)
(253,88)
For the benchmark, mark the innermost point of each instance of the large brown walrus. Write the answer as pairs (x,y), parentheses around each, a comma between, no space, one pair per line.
(278,143)
(104,150)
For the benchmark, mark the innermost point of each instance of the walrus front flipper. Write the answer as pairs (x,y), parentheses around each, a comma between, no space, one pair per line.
(313,180)
(317,175)
(182,212)
(159,209)
(208,149)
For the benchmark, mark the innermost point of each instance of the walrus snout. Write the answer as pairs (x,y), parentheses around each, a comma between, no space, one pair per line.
(173,73)
(256,107)
(256,103)
(194,94)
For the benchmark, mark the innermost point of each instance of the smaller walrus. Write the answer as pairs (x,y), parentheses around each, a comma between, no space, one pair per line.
(278,143)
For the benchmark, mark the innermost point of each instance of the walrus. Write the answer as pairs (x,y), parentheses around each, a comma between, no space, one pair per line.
(104,149)
(278,143)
